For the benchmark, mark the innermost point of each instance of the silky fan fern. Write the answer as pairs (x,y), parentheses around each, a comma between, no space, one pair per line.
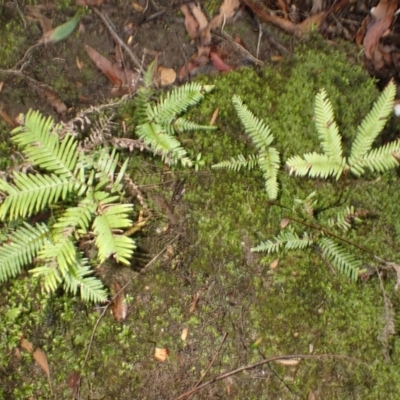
(85,189)
(332,162)
(159,119)
(267,159)
(330,250)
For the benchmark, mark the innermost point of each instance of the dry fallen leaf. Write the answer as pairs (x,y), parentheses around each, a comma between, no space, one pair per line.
(167,76)
(160,354)
(195,300)
(289,362)
(119,308)
(54,100)
(285,222)
(79,63)
(214,116)
(26,345)
(184,333)
(200,17)
(40,357)
(274,264)
(191,25)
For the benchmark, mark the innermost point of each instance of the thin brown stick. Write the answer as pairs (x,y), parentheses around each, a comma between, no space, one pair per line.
(262,362)
(109,25)
(212,361)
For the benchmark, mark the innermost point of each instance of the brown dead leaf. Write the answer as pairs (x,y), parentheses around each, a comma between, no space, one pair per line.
(40,357)
(79,63)
(167,76)
(119,308)
(184,333)
(200,17)
(26,345)
(7,119)
(114,73)
(54,100)
(285,222)
(45,23)
(73,383)
(312,22)
(382,19)
(160,354)
(191,25)
(214,116)
(274,264)
(289,362)
(195,300)
(226,12)
(137,7)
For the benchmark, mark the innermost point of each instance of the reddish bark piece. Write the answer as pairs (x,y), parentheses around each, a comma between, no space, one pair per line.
(219,63)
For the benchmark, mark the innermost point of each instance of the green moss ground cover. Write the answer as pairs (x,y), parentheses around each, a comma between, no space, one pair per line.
(301,307)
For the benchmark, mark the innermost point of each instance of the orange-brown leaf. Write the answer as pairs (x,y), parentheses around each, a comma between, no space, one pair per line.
(119,308)
(40,357)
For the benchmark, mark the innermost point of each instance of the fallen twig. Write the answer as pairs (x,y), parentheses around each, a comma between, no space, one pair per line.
(262,362)
(109,25)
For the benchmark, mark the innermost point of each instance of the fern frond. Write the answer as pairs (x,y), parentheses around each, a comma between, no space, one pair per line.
(21,248)
(344,219)
(42,145)
(75,218)
(239,162)
(316,165)
(91,288)
(346,263)
(254,127)
(182,125)
(290,240)
(176,102)
(269,163)
(373,124)
(32,193)
(327,129)
(59,255)
(114,217)
(380,160)
(153,135)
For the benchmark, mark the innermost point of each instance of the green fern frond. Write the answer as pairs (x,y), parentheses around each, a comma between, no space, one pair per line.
(59,254)
(344,219)
(154,136)
(91,288)
(269,163)
(254,127)
(373,124)
(239,162)
(289,240)
(21,248)
(346,263)
(75,218)
(42,145)
(327,129)
(106,170)
(182,125)
(378,160)
(114,217)
(176,102)
(32,193)
(316,165)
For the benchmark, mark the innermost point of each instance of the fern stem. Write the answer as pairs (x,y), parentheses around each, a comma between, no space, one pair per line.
(330,233)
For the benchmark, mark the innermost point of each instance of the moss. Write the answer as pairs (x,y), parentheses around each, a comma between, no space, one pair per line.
(300,307)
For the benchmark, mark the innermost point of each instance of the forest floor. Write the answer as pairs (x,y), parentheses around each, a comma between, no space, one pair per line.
(207,318)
